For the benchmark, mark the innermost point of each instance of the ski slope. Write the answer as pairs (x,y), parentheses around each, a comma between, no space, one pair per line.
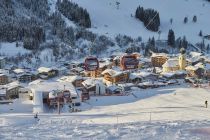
(107,19)
(165,113)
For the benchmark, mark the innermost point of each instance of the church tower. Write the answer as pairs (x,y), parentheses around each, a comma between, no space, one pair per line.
(182,59)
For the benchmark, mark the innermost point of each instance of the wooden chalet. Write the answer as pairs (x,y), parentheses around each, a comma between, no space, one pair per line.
(94,87)
(129,62)
(46,73)
(3,79)
(114,76)
(12,90)
(77,71)
(158,59)
(195,71)
(135,78)
(103,65)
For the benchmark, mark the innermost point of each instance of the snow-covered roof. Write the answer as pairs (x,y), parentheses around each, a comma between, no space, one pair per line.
(144,74)
(116,57)
(151,83)
(10,85)
(19,71)
(168,74)
(50,86)
(53,94)
(70,78)
(35,82)
(44,69)
(103,64)
(194,54)
(113,88)
(24,90)
(79,69)
(171,63)
(59,68)
(112,72)
(159,55)
(126,85)
(3,71)
(200,65)
(89,83)
(137,54)
(146,60)
(171,74)
(134,76)
(191,68)
(2,74)
(196,58)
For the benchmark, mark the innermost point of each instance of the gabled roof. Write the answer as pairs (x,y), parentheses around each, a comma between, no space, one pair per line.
(2,74)
(171,74)
(89,83)
(44,69)
(171,63)
(3,71)
(19,71)
(194,68)
(112,73)
(53,85)
(70,78)
(159,55)
(12,85)
(194,54)
(106,63)
(145,74)
(196,58)
(78,69)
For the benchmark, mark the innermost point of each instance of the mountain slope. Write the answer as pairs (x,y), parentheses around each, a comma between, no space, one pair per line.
(107,19)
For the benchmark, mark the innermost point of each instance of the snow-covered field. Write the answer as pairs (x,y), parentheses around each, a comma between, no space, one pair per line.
(10,49)
(164,113)
(65,128)
(107,19)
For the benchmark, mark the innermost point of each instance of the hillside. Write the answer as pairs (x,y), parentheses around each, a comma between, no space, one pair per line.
(107,19)
(51,33)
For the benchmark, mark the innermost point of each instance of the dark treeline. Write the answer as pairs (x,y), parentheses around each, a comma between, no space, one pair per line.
(149,17)
(15,26)
(75,13)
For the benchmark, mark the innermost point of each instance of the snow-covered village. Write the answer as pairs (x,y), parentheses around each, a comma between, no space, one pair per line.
(105,69)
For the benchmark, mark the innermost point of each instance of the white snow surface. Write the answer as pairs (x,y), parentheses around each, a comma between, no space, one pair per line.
(10,49)
(107,19)
(172,112)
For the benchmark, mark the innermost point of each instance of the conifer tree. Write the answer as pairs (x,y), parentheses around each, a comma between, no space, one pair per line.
(171,38)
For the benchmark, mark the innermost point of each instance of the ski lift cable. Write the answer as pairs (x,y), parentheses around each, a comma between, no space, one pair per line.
(151,20)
